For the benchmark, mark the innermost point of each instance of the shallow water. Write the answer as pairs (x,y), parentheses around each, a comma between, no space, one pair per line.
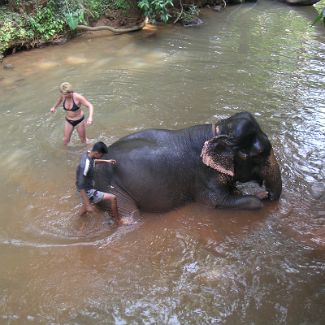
(193,265)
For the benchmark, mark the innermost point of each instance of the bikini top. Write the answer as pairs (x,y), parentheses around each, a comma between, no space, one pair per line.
(74,108)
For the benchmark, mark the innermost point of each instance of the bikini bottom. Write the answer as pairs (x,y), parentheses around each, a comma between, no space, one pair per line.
(75,122)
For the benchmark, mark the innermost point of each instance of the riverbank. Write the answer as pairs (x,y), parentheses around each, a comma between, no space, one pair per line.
(31,24)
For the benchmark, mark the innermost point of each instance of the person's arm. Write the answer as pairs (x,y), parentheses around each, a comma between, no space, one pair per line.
(89,105)
(109,161)
(57,103)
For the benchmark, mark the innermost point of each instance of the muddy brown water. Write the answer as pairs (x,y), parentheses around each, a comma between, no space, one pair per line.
(194,265)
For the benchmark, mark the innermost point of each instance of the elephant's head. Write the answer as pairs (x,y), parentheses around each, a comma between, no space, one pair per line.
(242,151)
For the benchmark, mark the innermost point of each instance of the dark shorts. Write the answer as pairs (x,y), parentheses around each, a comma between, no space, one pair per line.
(95,196)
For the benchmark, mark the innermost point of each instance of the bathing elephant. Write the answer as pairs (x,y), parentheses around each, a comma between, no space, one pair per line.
(158,170)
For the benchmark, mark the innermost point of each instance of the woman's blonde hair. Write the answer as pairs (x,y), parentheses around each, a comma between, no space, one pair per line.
(66,88)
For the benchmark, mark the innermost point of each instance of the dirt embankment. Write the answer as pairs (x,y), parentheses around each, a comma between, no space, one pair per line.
(121,20)
(117,21)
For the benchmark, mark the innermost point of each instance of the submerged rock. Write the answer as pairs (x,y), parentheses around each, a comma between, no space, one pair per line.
(317,190)
(217,8)
(195,22)
(8,66)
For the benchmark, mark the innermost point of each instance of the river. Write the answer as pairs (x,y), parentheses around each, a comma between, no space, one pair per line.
(194,265)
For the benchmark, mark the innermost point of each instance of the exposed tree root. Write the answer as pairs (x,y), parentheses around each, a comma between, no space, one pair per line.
(112,29)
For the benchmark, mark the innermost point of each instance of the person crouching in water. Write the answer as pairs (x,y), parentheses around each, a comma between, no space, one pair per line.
(85,181)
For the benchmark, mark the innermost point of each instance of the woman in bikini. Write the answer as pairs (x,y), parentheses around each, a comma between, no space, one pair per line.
(74,117)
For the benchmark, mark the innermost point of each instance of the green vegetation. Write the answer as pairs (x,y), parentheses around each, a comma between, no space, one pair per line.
(156,9)
(30,23)
(43,24)
(320,17)
(190,14)
(22,28)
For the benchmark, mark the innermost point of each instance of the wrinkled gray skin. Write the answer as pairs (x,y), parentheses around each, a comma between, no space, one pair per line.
(158,170)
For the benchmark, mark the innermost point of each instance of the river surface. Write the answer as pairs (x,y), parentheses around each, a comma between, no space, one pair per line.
(194,265)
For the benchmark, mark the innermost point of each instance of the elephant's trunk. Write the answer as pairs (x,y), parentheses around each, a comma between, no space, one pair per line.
(271,175)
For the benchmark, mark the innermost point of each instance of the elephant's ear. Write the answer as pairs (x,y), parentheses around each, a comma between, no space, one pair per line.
(218,154)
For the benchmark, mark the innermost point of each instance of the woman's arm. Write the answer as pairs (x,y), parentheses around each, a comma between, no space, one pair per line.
(89,105)
(57,103)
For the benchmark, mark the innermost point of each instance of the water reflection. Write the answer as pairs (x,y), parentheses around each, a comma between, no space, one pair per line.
(193,265)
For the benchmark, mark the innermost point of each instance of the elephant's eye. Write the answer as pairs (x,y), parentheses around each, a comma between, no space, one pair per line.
(246,143)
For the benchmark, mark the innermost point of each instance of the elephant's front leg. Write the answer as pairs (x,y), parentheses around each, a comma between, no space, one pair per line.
(234,201)
(227,197)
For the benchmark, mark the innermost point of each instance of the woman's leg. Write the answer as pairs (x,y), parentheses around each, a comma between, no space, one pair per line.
(68,129)
(81,129)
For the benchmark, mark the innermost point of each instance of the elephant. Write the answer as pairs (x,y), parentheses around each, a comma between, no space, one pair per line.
(158,169)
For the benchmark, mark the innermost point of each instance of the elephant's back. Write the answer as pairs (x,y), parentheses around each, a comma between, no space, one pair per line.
(182,139)
(157,167)
(144,138)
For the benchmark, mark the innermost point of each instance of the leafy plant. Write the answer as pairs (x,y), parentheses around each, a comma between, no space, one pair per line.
(190,14)
(12,28)
(73,15)
(93,8)
(120,5)
(154,9)
(21,29)
(79,11)
(45,24)
(320,17)
(6,32)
